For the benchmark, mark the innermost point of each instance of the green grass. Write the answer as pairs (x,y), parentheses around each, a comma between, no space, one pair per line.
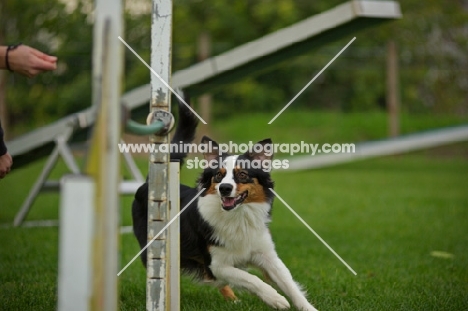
(323,127)
(383,216)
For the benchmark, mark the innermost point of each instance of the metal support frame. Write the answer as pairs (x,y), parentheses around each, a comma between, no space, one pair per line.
(158,253)
(62,149)
(132,167)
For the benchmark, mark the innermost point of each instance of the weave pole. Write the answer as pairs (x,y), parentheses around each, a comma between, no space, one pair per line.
(104,157)
(89,216)
(158,280)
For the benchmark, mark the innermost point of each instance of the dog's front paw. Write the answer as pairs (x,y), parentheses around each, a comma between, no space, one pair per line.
(279,302)
(276,301)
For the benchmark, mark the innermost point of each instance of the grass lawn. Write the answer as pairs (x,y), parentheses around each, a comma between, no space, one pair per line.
(385,217)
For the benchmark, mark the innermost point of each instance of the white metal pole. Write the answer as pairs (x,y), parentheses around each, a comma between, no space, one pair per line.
(104,164)
(157,291)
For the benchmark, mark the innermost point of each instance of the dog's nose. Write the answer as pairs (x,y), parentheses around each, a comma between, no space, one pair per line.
(225,189)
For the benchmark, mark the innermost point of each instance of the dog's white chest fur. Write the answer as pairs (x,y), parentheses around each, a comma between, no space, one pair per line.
(240,232)
(244,239)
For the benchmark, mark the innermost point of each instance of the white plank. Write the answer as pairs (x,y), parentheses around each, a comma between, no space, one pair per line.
(75,245)
(403,144)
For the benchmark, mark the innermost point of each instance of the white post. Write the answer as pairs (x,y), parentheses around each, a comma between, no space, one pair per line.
(174,240)
(75,244)
(157,291)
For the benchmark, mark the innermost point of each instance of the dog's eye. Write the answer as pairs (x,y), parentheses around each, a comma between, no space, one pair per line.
(242,175)
(218,176)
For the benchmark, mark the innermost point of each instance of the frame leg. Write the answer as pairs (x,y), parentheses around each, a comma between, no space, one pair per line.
(23,212)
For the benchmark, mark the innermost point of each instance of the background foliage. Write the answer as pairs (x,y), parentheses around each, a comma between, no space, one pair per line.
(432,39)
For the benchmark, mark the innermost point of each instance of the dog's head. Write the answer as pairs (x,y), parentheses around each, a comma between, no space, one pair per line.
(238,179)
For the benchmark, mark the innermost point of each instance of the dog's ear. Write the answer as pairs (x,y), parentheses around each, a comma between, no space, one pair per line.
(207,140)
(211,149)
(262,150)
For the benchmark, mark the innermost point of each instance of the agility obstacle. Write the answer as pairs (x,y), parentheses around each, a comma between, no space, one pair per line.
(387,147)
(89,205)
(103,159)
(162,259)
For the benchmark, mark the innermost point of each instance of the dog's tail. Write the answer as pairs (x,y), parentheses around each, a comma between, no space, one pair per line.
(185,130)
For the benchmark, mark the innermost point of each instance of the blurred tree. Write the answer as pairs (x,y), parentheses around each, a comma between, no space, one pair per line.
(47,26)
(432,38)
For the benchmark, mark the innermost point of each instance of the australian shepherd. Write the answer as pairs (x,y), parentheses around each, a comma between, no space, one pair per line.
(226,229)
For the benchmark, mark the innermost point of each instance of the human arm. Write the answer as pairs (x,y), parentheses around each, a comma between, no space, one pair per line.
(5,158)
(26,60)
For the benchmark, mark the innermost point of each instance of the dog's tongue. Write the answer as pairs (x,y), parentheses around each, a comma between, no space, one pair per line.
(228,201)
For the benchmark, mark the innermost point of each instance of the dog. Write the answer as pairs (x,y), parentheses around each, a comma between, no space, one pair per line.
(226,228)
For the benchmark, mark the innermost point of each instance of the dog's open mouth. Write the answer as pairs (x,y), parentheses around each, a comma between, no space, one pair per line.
(230,202)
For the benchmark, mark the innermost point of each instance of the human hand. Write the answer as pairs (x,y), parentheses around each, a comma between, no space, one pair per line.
(5,164)
(29,62)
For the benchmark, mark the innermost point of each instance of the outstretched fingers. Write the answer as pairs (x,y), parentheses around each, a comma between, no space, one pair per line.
(43,61)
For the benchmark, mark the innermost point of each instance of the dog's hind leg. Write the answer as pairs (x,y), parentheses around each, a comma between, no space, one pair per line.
(227,293)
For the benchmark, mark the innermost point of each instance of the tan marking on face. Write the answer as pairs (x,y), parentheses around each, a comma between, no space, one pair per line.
(255,190)
(227,293)
(212,189)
